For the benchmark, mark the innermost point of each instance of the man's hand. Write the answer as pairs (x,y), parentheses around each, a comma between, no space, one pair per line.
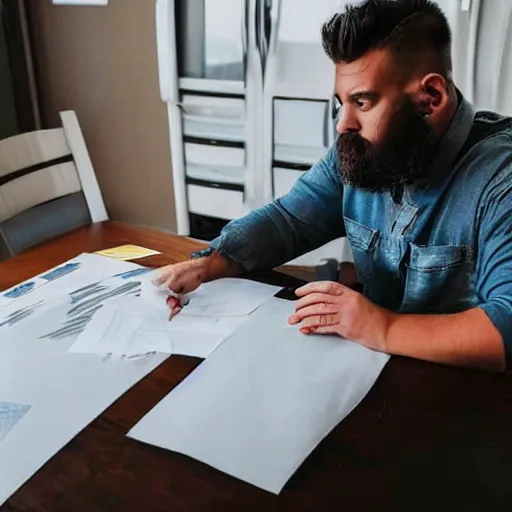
(185,277)
(465,339)
(326,307)
(180,278)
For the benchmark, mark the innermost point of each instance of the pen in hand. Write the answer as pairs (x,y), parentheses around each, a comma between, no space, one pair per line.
(175,306)
(175,301)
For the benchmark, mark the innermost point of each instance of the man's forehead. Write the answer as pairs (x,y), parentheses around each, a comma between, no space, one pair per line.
(373,71)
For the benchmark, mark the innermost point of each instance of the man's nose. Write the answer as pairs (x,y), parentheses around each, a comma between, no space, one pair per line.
(347,122)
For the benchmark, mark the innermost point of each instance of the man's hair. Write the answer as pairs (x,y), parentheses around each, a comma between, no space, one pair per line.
(412,30)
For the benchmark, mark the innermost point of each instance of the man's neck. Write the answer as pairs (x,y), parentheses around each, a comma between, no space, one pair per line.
(446,117)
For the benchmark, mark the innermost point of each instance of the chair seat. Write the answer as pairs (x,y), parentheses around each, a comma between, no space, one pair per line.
(46,221)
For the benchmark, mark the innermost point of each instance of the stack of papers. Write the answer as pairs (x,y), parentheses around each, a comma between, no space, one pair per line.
(107,299)
(127,327)
(138,325)
(213,313)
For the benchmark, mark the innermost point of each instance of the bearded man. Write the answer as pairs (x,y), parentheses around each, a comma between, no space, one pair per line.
(420,184)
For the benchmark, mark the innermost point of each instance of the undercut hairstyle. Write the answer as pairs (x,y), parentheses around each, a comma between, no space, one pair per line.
(416,32)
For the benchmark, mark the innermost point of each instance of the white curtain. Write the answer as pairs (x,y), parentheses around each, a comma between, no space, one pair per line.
(482,51)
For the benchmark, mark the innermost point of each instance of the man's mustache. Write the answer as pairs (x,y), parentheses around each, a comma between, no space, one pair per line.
(353,139)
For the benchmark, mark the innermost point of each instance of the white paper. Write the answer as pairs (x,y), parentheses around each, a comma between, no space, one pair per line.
(211,314)
(59,393)
(128,326)
(222,297)
(65,393)
(229,297)
(131,326)
(199,336)
(264,399)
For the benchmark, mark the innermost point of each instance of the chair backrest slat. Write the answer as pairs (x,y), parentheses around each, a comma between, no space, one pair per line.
(31,149)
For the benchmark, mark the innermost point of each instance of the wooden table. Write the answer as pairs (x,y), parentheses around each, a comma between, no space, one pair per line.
(426,438)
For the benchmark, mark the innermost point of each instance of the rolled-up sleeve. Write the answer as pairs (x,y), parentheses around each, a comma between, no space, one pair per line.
(494,258)
(309,216)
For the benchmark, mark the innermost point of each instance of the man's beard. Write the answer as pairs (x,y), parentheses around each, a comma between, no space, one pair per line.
(401,159)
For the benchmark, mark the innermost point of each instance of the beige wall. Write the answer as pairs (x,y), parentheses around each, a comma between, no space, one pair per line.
(102,63)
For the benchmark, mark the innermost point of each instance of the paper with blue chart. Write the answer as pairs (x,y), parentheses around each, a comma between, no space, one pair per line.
(10,414)
(30,297)
(48,395)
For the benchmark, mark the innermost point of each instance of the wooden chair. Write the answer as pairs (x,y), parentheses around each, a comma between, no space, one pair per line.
(47,186)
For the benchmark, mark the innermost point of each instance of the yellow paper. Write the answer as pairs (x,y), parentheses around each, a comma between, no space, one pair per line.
(127,252)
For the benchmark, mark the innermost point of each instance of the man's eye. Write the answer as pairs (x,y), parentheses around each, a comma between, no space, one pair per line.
(363,104)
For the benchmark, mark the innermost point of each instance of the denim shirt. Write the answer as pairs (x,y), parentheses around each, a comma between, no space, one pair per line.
(444,247)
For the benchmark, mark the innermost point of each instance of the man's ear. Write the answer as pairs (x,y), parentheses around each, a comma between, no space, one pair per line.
(433,94)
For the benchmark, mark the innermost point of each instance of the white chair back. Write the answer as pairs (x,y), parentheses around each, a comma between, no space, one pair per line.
(47,186)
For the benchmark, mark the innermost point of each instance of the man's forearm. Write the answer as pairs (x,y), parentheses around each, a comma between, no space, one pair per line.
(216,266)
(465,339)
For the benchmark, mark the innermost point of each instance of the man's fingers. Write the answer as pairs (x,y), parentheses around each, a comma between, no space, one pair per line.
(158,279)
(329,287)
(162,275)
(320,324)
(315,321)
(171,285)
(313,298)
(328,329)
(168,283)
(325,311)
(173,302)
(166,278)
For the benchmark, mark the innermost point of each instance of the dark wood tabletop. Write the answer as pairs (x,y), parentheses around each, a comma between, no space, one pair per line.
(426,437)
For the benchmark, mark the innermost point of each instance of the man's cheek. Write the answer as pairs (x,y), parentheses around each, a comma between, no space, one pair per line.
(376,135)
